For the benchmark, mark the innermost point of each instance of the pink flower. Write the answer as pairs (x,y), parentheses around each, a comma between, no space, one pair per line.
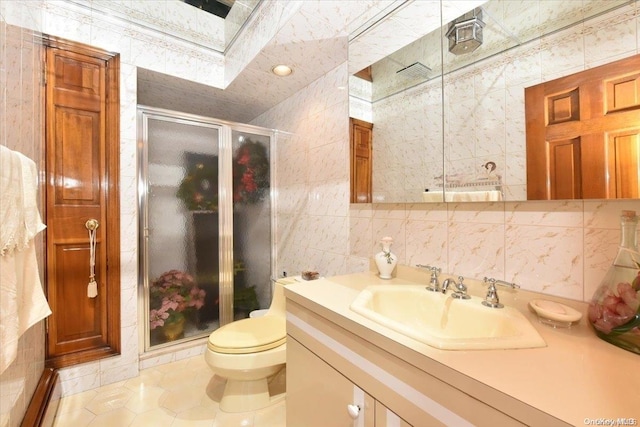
(157,318)
(197,298)
(248,181)
(172,293)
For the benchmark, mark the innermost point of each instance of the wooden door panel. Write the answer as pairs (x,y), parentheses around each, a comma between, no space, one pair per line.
(81,78)
(77,165)
(624,149)
(623,93)
(600,109)
(565,169)
(82,151)
(563,107)
(593,152)
(79,322)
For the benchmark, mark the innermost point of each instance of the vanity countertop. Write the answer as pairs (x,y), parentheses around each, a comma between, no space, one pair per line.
(577,378)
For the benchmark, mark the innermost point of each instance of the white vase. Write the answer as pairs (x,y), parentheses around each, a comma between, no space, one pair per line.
(385,259)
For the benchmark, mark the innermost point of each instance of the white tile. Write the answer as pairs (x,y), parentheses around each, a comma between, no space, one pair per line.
(476,249)
(546,259)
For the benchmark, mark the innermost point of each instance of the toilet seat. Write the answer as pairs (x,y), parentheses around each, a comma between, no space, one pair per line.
(250,335)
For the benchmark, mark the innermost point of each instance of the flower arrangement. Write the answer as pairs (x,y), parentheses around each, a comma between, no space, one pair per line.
(250,172)
(171,294)
(199,189)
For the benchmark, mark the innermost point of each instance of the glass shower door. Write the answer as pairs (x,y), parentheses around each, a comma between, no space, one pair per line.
(180,231)
(252,246)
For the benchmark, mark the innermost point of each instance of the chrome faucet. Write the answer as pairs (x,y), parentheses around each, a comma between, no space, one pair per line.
(492,300)
(461,288)
(434,284)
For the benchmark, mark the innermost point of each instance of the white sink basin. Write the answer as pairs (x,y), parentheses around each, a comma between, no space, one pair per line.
(443,322)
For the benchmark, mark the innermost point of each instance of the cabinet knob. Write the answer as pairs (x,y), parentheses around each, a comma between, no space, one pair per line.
(354,411)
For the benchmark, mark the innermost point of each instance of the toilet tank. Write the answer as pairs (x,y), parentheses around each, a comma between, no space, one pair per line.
(277,307)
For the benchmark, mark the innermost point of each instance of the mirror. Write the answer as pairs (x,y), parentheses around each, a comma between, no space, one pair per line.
(454,122)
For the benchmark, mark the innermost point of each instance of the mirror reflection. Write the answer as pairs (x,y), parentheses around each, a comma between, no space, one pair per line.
(447,107)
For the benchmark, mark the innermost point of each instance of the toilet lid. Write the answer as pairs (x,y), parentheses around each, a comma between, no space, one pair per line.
(249,335)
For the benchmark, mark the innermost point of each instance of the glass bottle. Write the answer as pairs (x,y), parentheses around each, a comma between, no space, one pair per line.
(614,311)
(386,260)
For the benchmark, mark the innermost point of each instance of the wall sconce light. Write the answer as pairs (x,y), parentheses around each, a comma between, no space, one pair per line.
(465,32)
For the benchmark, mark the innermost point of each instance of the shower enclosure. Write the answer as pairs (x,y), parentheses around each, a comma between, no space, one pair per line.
(206,252)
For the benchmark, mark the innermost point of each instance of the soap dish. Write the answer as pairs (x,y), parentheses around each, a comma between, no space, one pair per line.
(555,314)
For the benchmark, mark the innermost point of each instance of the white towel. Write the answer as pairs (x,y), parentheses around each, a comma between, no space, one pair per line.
(22,300)
(20,219)
(10,200)
(433,196)
(32,220)
(473,196)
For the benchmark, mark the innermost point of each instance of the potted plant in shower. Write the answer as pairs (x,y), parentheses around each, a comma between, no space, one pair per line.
(172,296)
(250,173)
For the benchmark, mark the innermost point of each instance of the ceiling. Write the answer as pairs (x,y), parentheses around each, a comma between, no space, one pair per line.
(313,41)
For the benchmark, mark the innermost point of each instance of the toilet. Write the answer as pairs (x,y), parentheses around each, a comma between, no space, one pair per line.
(248,352)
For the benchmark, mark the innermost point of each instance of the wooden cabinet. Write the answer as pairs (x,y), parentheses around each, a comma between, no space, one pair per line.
(583,134)
(361,137)
(82,167)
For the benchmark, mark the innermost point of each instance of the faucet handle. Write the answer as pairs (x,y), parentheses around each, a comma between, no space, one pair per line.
(493,281)
(434,270)
(434,285)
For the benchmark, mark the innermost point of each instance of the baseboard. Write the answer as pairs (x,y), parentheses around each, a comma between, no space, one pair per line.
(44,403)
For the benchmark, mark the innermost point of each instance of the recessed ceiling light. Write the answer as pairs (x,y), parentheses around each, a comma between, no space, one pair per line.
(282,70)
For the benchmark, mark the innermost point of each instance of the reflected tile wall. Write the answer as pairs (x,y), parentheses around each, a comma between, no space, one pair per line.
(484,108)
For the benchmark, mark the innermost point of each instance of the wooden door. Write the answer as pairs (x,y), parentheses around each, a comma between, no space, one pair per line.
(82,153)
(583,134)
(361,137)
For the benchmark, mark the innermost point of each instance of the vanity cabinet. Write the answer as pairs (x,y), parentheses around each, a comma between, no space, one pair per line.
(386,417)
(318,395)
(330,363)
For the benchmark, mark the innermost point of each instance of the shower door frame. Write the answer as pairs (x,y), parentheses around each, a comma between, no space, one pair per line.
(225,212)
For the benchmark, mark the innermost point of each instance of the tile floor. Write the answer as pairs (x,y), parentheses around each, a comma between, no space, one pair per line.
(182,393)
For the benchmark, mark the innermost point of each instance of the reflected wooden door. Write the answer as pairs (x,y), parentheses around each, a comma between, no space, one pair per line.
(361,136)
(82,152)
(583,134)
